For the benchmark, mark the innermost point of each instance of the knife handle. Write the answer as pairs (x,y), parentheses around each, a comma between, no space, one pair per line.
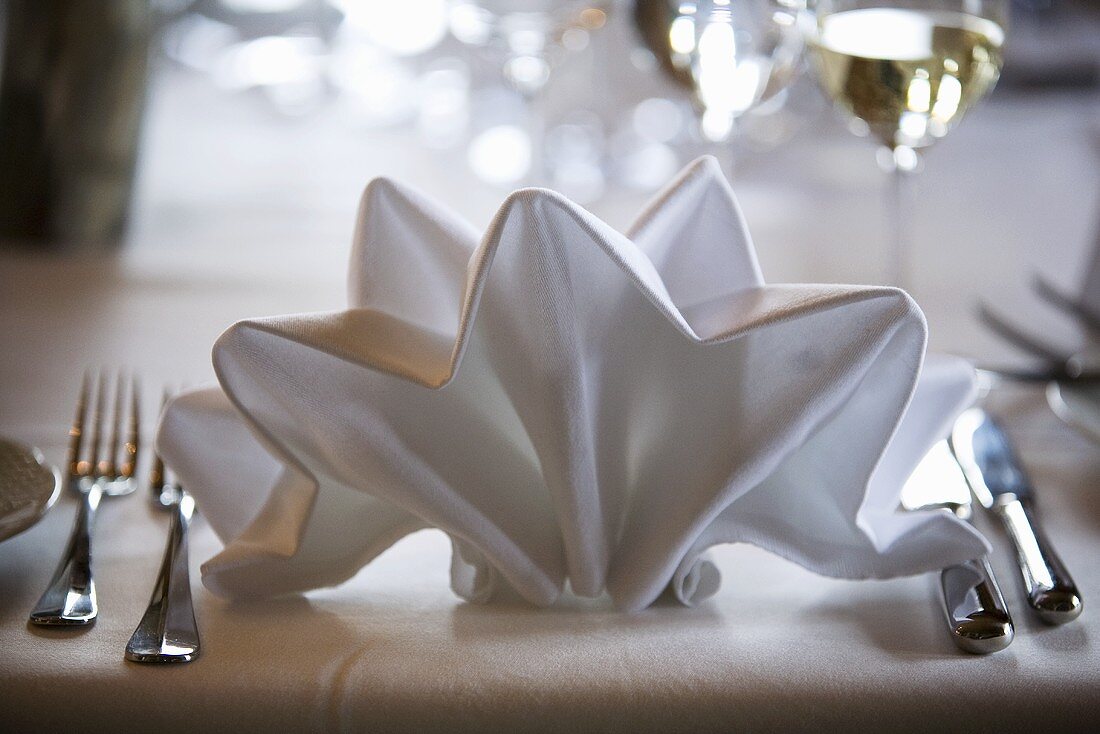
(1050,590)
(976,610)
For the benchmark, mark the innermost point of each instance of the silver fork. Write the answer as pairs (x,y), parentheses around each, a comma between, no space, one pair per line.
(167,632)
(70,599)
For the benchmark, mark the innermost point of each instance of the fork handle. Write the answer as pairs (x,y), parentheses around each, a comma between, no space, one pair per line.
(976,612)
(1050,590)
(167,632)
(70,599)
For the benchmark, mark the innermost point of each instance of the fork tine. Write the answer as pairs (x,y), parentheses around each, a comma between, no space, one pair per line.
(130,455)
(97,424)
(76,432)
(110,460)
(156,475)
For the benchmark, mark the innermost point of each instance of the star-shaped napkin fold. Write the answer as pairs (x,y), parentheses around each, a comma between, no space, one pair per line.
(569,403)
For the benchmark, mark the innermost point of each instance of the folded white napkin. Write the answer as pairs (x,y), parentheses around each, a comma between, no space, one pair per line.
(572,404)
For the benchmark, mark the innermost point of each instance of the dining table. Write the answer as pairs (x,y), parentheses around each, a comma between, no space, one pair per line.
(777,648)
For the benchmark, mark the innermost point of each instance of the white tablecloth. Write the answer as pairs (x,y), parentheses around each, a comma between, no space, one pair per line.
(777,648)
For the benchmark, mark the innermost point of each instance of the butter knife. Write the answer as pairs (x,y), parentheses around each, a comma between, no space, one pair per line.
(999,483)
(977,616)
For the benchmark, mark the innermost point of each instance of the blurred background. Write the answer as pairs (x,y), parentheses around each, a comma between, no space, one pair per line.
(225,143)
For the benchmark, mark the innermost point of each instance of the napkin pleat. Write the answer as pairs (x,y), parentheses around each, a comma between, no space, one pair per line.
(694,233)
(390,450)
(410,257)
(256,503)
(770,427)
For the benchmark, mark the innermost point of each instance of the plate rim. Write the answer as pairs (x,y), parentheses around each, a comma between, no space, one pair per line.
(50,501)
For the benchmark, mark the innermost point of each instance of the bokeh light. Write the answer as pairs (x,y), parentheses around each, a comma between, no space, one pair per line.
(500,155)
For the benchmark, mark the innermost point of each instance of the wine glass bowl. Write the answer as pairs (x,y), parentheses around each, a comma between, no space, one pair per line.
(907,71)
(733,55)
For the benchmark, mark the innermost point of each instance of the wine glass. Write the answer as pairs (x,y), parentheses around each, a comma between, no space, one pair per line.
(906,72)
(526,38)
(733,55)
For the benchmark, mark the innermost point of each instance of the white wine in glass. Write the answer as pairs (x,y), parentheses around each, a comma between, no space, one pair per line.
(906,71)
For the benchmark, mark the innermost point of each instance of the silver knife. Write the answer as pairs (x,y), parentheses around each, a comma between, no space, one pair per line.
(976,612)
(1000,484)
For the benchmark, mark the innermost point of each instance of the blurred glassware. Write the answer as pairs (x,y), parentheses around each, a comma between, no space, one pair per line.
(642,149)
(500,154)
(196,41)
(656,21)
(733,55)
(401,28)
(528,36)
(358,58)
(289,69)
(372,86)
(443,103)
(575,151)
(500,149)
(906,72)
(779,119)
(72,94)
(525,39)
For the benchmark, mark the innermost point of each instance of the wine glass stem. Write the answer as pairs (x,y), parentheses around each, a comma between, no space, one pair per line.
(536,133)
(727,157)
(901,223)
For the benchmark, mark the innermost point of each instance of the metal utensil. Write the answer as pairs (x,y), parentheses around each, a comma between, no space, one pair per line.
(167,632)
(999,483)
(28,487)
(977,615)
(1077,405)
(70,599)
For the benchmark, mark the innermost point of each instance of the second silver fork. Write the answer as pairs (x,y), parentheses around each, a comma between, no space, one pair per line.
(167,632)
(70,598)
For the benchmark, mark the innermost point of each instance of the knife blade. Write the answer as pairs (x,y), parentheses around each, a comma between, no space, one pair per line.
(977,615)
(1000,484)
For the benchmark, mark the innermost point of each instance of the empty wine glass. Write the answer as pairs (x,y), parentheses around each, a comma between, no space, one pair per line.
(526,38)
(732,54)
(906,72)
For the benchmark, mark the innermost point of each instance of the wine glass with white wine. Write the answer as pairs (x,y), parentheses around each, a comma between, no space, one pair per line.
(906,72)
